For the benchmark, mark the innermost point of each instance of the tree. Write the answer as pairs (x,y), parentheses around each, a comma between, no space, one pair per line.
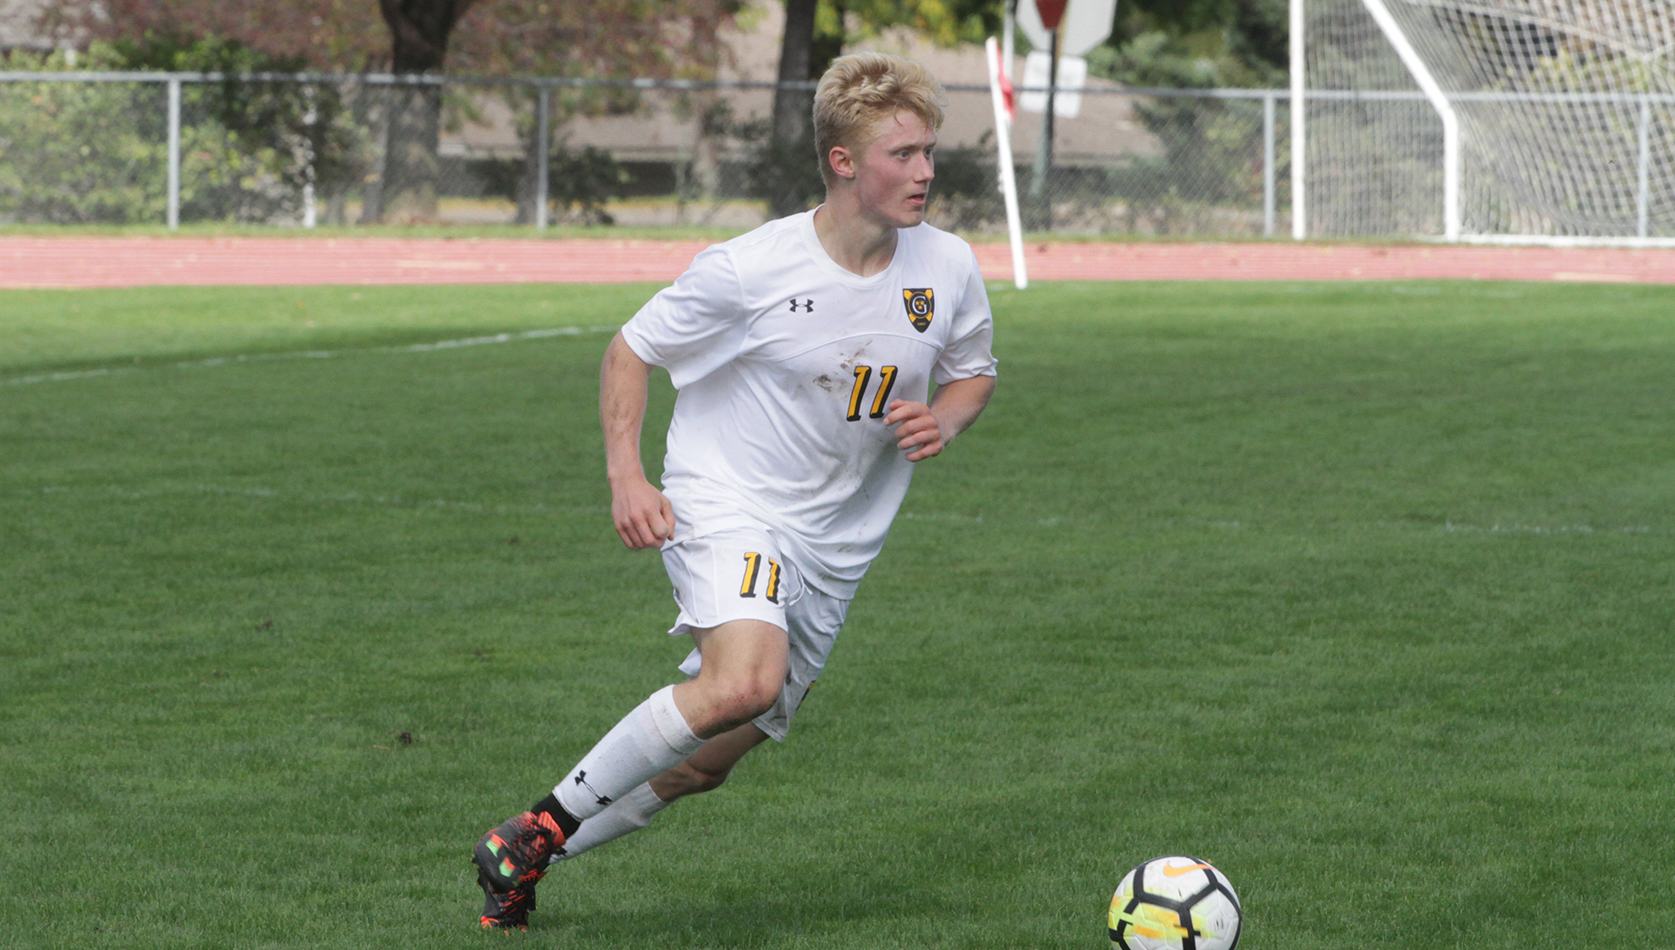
(792,135)
(412,122)
(86,152)
(1199,43)
(1206,144)
(422,38)
(604,38)
(609,39)
(345,35)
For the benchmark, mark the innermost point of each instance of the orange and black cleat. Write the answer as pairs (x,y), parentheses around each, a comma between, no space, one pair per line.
(508,910)
(516,853)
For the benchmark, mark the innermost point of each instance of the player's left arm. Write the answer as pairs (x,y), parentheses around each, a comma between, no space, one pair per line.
(924,430)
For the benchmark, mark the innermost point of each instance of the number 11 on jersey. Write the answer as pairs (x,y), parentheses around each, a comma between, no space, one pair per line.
(753,570)
(886,382)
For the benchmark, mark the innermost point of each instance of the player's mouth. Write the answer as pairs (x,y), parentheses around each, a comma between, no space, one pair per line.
(917,200)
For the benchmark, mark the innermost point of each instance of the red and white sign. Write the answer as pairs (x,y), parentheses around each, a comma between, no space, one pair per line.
(1083,24)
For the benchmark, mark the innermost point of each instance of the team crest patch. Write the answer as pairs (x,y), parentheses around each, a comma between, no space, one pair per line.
(921,306)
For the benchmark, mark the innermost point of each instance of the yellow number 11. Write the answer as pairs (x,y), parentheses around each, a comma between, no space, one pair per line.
(863,375)
(753,570)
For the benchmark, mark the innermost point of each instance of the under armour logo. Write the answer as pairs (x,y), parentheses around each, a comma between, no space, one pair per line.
(581,779)
(807,305)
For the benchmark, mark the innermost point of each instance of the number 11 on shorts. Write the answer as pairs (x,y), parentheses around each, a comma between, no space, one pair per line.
(753,570)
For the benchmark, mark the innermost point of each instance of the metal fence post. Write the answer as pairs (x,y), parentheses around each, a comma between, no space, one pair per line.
(1643,197)
(1298,117)
(1268,164)
(174,152)
(309,215)
(543,140)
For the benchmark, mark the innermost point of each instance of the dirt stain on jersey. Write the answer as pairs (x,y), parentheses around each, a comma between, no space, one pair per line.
(827,383)
(848,364)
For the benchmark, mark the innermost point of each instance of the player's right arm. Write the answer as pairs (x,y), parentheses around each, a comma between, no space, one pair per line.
(642,514)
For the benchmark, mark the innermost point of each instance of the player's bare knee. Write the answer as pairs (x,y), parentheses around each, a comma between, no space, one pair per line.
(745,701)
(739,699)
(696,780)
(678,782)
(761,693)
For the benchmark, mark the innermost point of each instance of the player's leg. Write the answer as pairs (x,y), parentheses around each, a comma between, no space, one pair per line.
(732,588)
(703,771)
(813,623)
(709,767)
(743,675)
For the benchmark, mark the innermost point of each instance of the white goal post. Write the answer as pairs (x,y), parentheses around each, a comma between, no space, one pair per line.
(1299,123)
(1486,121)
(1427,83)
(1450,122)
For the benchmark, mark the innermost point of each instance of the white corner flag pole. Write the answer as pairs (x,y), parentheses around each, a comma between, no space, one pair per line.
(1003,147)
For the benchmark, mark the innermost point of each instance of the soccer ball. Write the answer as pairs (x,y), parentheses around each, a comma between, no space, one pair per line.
(1175,903)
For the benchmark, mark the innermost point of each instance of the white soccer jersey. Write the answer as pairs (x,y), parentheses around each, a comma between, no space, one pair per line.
(786,365)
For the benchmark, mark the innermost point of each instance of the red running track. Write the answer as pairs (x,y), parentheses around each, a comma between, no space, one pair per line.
(71,262)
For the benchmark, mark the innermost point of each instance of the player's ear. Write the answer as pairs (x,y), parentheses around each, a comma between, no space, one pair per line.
(841,161)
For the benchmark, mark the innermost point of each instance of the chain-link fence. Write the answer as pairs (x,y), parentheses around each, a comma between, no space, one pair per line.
(290,150)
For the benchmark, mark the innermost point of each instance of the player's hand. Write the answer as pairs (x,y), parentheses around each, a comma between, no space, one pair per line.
(917,431)
(642,514)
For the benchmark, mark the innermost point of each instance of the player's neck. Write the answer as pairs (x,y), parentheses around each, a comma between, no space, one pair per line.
(854,243)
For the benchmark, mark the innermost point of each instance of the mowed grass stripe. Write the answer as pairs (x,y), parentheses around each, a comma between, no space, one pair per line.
(212,362)
(1357,591)
(69,330)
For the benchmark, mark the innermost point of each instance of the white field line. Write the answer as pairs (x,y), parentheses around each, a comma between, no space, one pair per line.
(1497,528)
(492,340)
(335,498)
(1448,527)
(404,501)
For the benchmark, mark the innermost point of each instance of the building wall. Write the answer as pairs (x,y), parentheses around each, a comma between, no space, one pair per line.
(1107,128)
(17,26)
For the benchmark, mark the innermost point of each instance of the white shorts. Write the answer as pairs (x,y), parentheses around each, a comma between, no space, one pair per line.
(741,574)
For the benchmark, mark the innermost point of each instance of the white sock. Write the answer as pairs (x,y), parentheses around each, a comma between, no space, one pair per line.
(627,814)
(646,743)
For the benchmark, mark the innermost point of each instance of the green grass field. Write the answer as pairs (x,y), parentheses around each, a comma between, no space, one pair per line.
(1361,592)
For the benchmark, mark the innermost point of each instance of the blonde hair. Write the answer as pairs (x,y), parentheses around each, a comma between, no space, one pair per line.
(861,88)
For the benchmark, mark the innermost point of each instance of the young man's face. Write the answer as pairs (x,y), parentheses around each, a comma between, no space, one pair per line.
(893,171)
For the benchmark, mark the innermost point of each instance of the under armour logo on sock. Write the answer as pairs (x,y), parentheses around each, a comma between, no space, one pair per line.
(807,305)
(581,779)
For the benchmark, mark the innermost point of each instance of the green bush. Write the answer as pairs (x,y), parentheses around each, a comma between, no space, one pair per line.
(579,182)
(82,152)
(75,152)
(966,194)
(785,171)
(1209,175)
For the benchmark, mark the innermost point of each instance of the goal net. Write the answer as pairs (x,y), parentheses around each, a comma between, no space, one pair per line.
(1565,110)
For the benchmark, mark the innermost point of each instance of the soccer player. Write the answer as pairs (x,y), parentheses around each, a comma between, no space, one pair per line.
(803,353)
